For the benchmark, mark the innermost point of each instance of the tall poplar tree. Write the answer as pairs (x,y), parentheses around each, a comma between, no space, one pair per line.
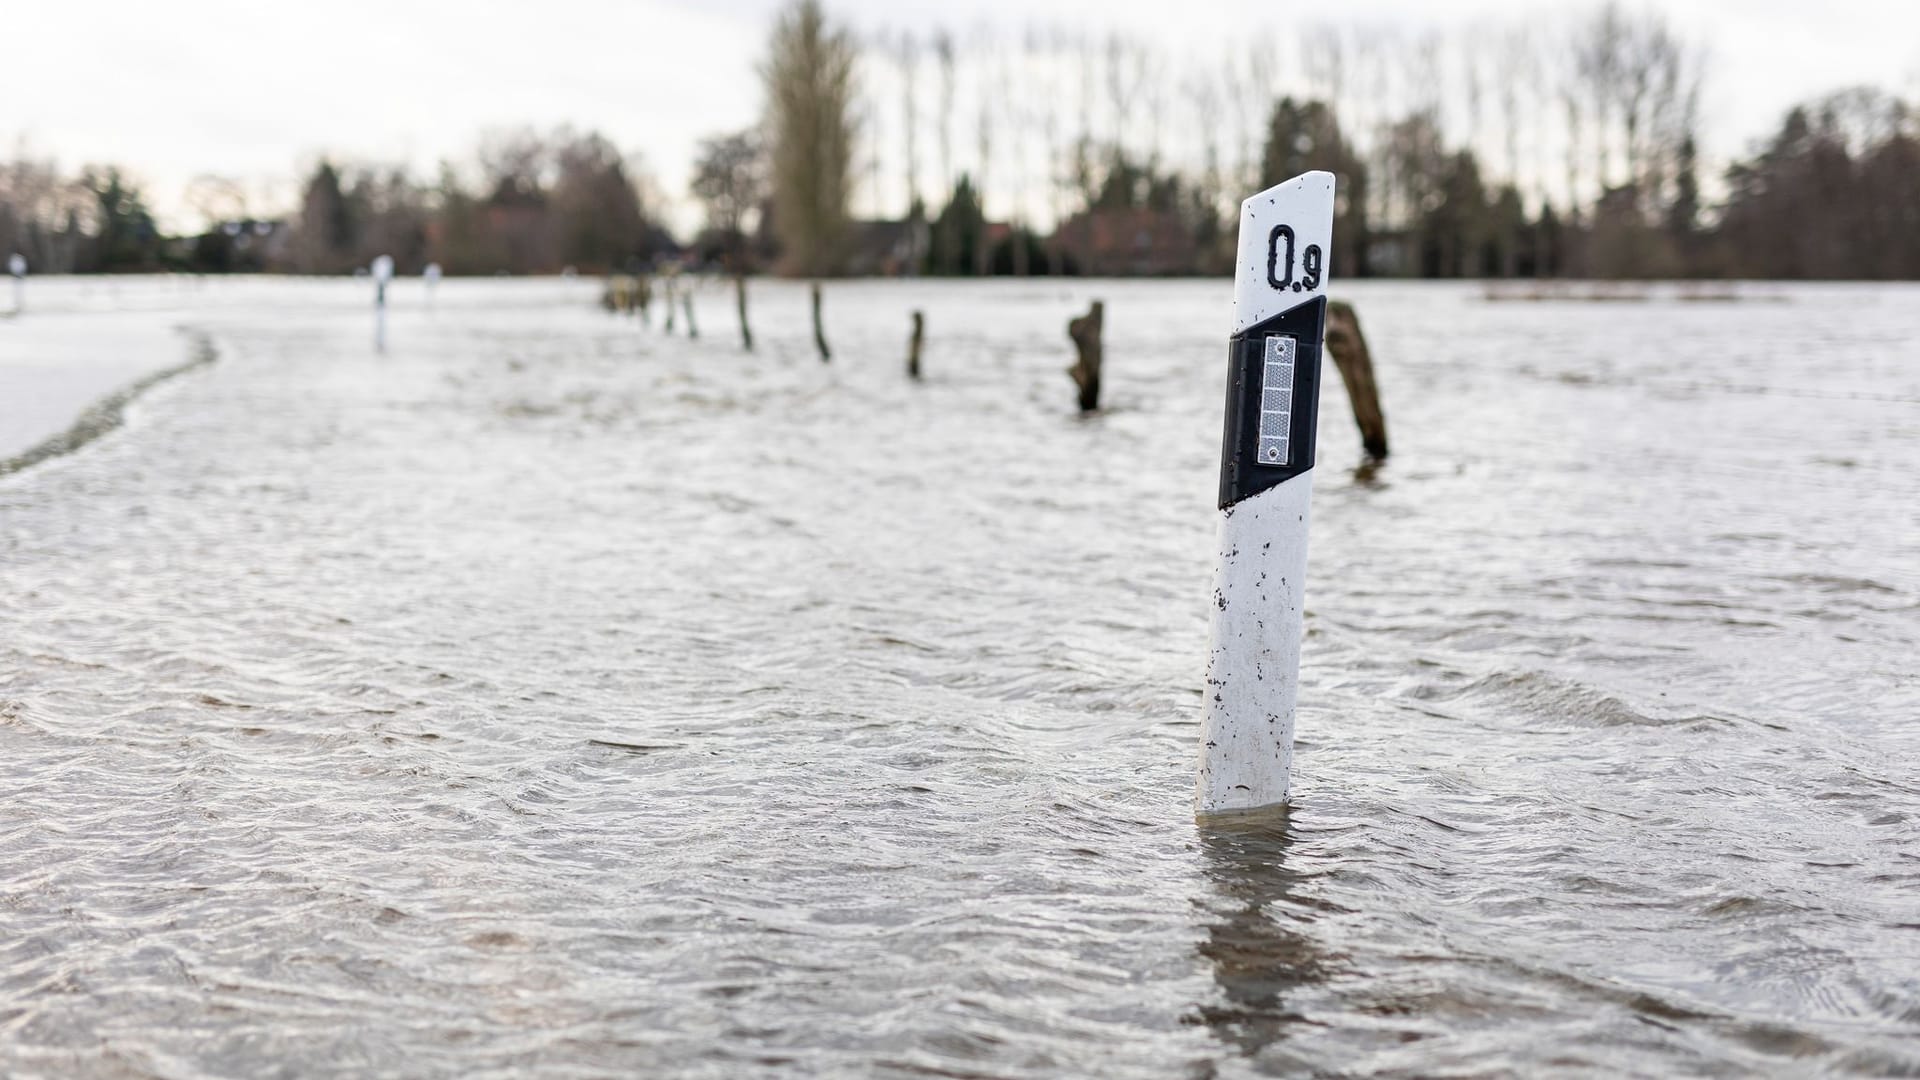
(809,83)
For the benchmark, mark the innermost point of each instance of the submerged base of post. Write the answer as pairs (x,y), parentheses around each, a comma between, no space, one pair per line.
(1253,655)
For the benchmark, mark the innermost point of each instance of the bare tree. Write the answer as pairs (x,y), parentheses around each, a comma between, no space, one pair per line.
(43,215)
(1123,87)
(1473,82)
(867,123)
(906,56)
(983,251)
(1323,52)
(943,52)
(1572,101)
(595,204)
(1055,168)
(1149,74)
(1202,95)
(1598,45)
(729,180)
(1511,66)
(216,199)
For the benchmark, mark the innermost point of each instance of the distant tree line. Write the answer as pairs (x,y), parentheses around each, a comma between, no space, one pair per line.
(1564,149)
(532,203)
(541,203)
(97,221)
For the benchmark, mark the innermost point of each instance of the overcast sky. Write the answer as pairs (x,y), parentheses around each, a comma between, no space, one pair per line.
(256,90)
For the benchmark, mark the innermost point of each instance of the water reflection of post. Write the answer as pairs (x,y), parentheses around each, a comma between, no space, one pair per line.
(1256,939)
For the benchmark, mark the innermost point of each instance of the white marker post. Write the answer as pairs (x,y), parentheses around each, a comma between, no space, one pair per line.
(431,275)
(17,266)
(382,276)
(1266,482)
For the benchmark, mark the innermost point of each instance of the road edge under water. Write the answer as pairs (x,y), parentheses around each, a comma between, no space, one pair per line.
(109,412)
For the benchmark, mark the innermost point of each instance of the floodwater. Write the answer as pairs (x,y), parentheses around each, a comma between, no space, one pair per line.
(551,697)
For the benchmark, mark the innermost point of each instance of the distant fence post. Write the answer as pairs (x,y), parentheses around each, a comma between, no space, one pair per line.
(913,345)
(819,329)
(1085,332)
(382,276)
(740,302)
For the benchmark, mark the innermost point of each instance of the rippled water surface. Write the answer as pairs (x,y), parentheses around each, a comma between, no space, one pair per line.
(552,697)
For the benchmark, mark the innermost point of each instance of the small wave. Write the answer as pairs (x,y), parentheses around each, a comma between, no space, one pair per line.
(1541,696)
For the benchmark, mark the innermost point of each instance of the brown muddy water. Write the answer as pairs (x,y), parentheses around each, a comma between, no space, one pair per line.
(549,697)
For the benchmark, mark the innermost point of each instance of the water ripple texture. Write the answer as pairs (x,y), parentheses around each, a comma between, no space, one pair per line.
(551,697)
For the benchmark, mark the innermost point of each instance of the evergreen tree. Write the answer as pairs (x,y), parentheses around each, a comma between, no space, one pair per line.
(128,239)
(1304,136)
(326,235)
(959,233)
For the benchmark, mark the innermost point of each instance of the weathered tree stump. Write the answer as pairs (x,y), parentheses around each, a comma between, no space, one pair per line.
(740,302)
(913,345)
(1085,332)
(1350,355)
(819,331)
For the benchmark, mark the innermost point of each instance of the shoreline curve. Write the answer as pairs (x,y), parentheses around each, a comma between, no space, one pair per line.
(109,413)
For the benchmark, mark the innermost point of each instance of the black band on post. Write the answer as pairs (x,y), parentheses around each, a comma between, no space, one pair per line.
(1243,473)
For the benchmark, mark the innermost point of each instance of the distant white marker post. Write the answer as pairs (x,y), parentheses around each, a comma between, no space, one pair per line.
(17,266)
(382,277)
(1266,483)
(431,275)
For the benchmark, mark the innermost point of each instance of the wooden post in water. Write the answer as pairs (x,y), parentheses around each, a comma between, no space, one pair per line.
(913,345)
(740,302)
(1266,485)
(819,330)
(1085,332)
(1350,355)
